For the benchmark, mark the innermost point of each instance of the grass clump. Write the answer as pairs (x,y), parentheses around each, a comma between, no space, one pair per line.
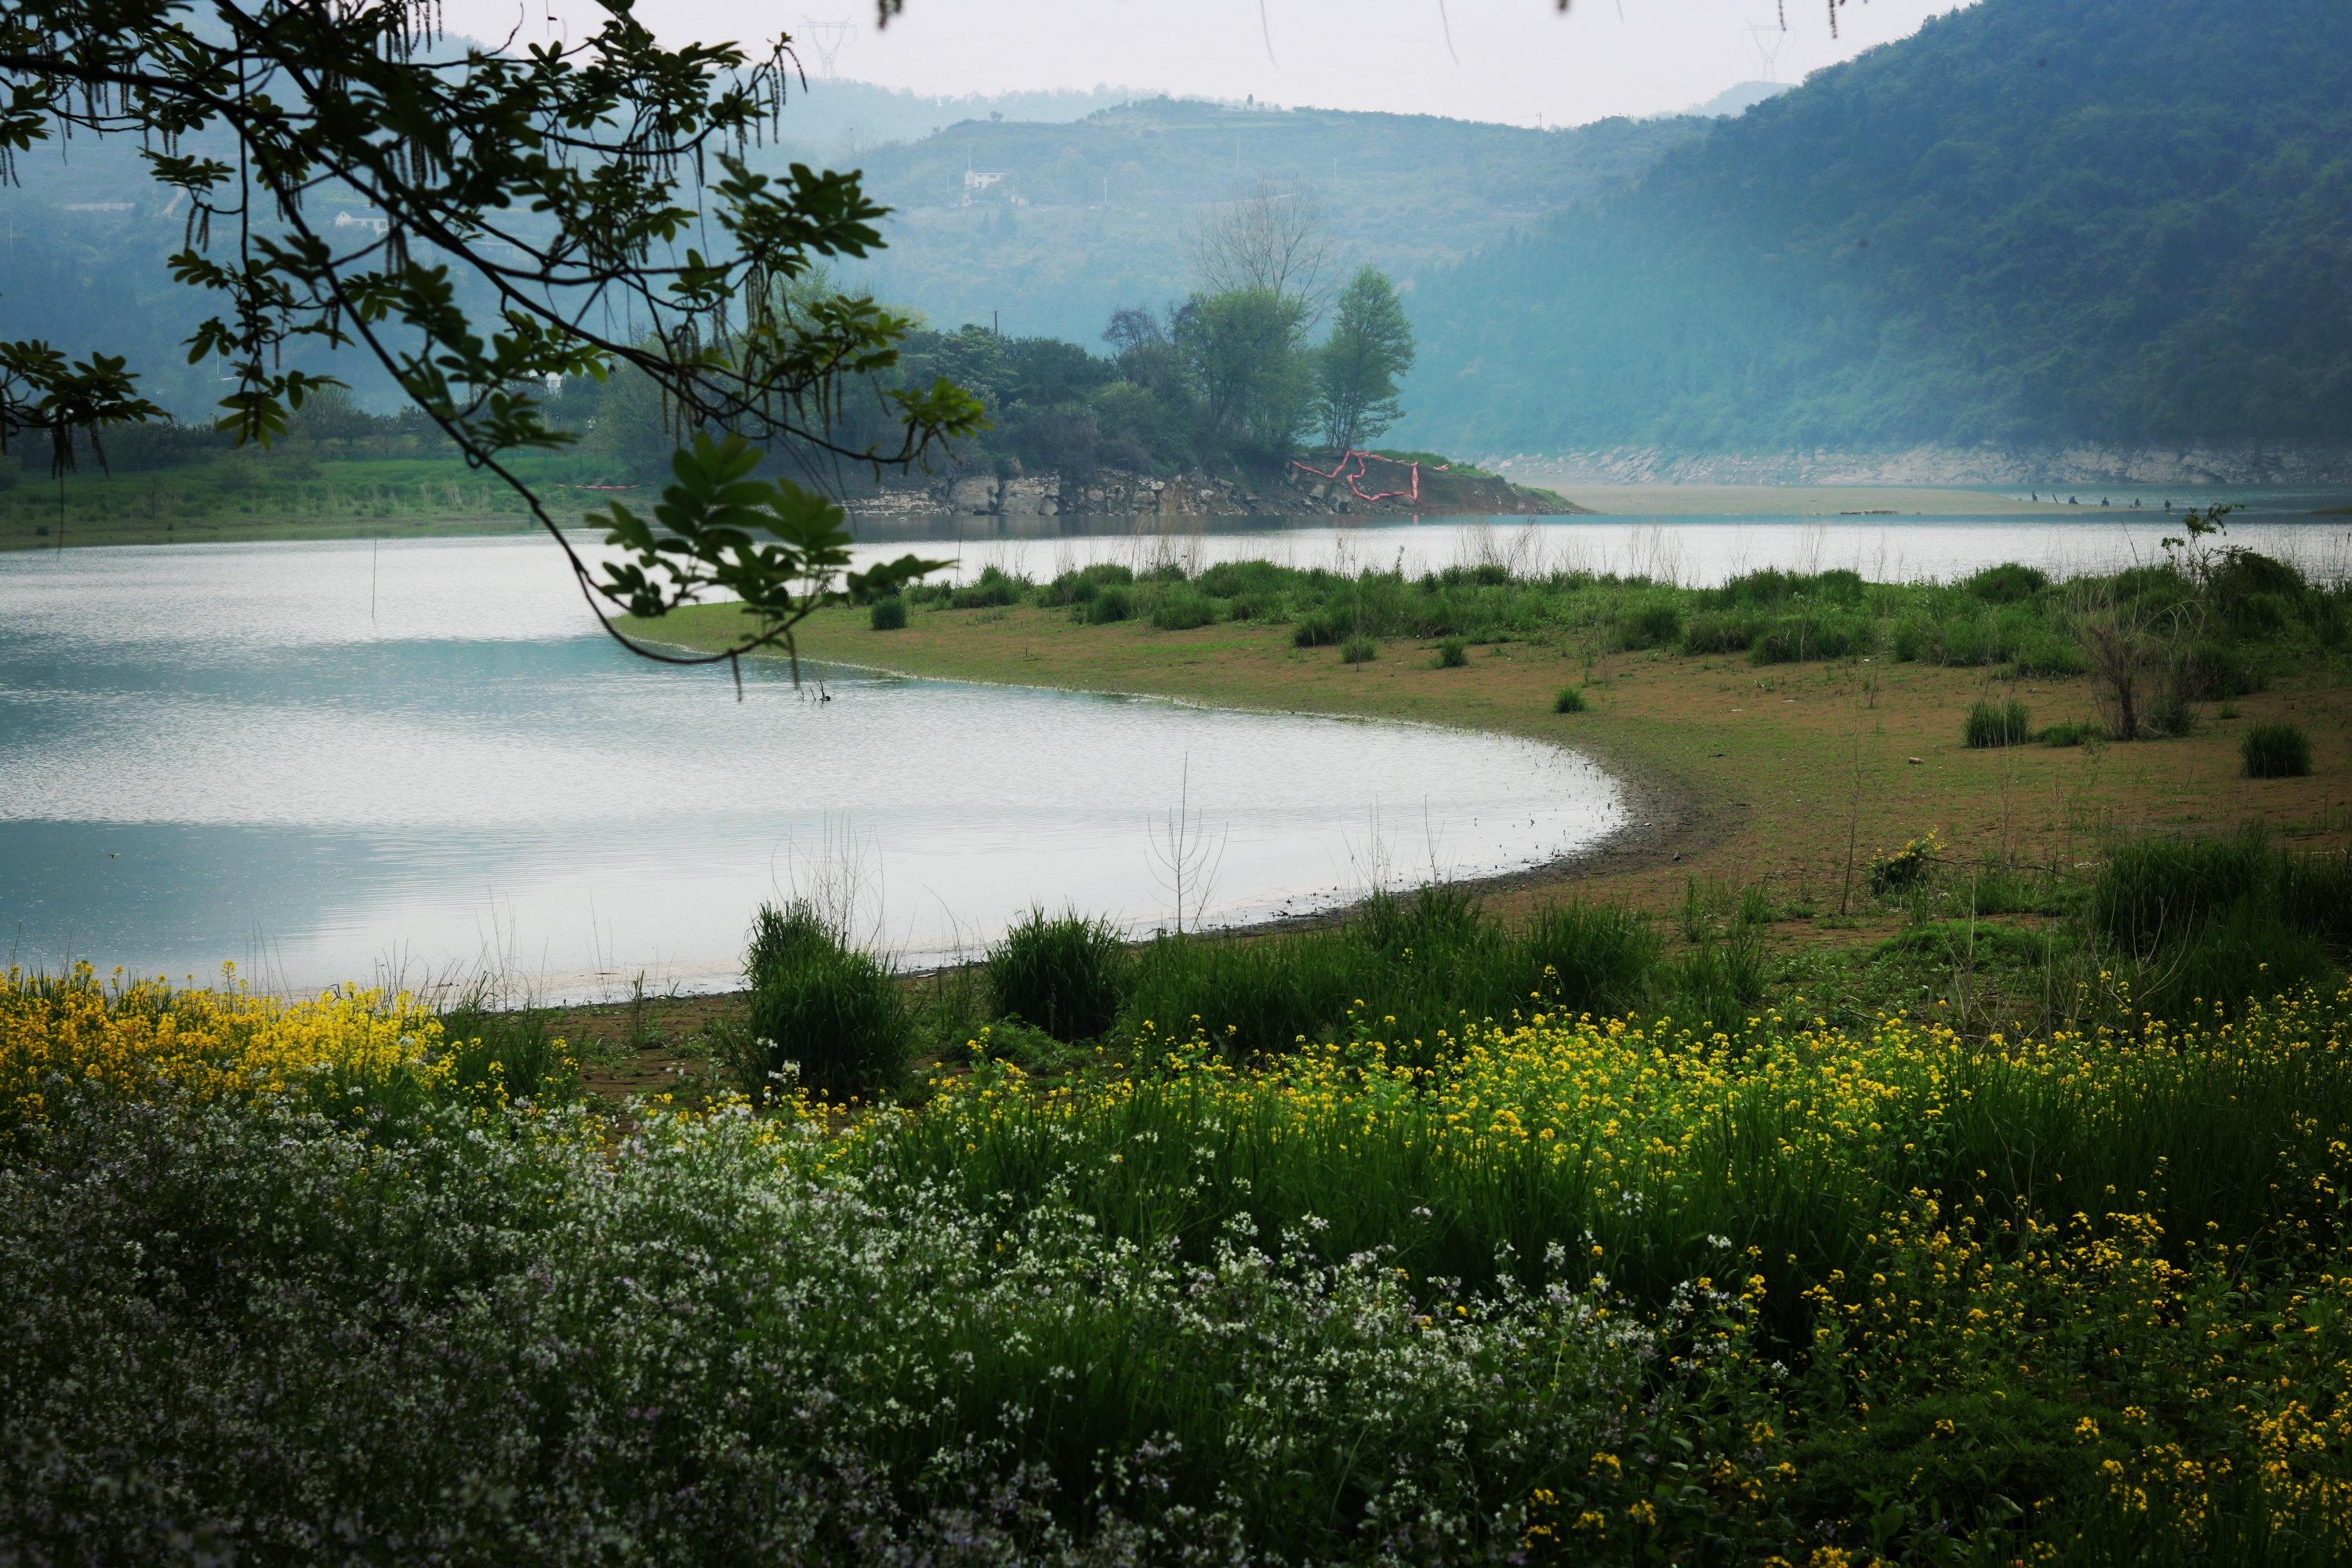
(1110,603)
(995,589)
(2275,752)
(1452,654)
(2211,922)
(1359,650)
(822,1014)
(1063,974)
(1993,724)
(2072,733)
(888,614)
(1569,699)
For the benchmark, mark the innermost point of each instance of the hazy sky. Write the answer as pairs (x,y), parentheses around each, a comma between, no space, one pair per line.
(1516,58)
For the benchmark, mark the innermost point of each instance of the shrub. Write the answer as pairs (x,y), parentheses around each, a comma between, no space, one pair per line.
(1729,632)
(889,615)
(1990,724)
(995,589)
(1063,974)
(1793,639)
(2007,582)
(1318,630)
(1112,602)
(2076,733)
(1452,654)
(1181,609)
(1078,587)
(1652,626)
(1569,699)
(2275,752)
(819,1010)
(1359,650)
(2046,653)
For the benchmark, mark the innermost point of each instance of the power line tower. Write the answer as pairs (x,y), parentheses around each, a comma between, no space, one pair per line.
(828,39)
(1768,42)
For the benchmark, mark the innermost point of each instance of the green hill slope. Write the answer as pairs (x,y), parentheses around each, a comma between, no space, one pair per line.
(2121,221)
(1088,217)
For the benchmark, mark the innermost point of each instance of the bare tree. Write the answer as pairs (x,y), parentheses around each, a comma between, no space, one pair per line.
(1274,240)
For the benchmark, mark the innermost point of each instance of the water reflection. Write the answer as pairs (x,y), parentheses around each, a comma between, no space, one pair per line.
(323,759)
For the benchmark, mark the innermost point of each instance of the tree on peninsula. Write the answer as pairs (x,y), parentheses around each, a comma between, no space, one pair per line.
(595,194)
(1357,368)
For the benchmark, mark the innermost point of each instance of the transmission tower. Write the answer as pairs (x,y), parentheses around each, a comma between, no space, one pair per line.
(1768,42)
(828,39)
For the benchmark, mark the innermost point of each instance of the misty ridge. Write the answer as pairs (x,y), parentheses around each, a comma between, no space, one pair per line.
(2086,237)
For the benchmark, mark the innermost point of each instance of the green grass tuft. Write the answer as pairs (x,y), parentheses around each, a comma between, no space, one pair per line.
(1991,724)
(2276,751)
(1063,974)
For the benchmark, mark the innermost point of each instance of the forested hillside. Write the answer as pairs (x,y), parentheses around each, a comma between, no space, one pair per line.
(2122,221)
(1084,218)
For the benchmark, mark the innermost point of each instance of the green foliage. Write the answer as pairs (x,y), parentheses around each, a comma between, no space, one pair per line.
(1452,653)
(821,1014)
(1419,970)
(1793,639)
(2008,583)
(992,589)
(888,614)
(2072,734)
(1357,367)
(1063,974)
(1240,353)
(1359,650)
(1717,984)
(708,541)
(1321,630)
(1181,609)
(1569,699)
(1109,603)
(1991,724)
(2279,751)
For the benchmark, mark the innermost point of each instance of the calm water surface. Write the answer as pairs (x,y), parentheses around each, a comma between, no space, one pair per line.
(334,760)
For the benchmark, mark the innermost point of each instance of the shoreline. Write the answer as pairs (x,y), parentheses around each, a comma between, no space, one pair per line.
(1671,819)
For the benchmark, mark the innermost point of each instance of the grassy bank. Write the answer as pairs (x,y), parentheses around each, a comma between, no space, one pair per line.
(1786,776)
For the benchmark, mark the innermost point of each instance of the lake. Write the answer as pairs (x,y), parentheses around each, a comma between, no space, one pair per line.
(418,761)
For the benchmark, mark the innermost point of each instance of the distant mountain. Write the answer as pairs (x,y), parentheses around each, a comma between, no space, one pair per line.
(1739,98)
(2036,221)
(832,116)
(1046,228)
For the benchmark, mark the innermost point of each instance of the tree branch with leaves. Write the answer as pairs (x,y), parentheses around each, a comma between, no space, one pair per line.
(595,194)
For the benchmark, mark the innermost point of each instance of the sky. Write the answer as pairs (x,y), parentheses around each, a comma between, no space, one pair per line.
(1516,61)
